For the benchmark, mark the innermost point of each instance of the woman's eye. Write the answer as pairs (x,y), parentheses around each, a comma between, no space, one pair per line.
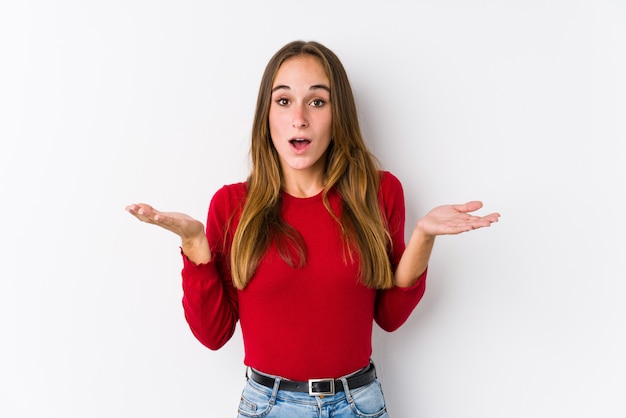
(282,102)
(318,103)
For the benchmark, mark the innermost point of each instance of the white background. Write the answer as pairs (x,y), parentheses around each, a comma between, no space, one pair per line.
(521,104)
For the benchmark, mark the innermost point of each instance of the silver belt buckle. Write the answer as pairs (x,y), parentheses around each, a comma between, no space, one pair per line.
(330,392)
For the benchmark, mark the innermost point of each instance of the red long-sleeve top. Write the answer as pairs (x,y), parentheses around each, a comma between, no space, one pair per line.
(301,323)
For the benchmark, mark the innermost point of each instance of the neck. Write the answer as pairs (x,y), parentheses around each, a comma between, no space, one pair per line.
(303,184)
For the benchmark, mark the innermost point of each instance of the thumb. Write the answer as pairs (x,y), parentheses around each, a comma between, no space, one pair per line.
(469,206)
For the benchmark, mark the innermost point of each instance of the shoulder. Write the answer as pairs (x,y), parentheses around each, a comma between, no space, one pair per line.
(390,185)
(231,191)
(391,198)
(229,197)
(390,194)
(389,181)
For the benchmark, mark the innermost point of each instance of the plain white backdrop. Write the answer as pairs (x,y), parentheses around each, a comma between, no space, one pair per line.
(518,103)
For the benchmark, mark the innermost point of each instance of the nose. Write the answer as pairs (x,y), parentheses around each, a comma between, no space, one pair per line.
(299,118)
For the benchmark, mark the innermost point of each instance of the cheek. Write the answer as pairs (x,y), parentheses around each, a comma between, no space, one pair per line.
(328,127)
(272,121)
(276,121)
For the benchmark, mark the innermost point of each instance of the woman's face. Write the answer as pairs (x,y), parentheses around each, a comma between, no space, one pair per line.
(300,116)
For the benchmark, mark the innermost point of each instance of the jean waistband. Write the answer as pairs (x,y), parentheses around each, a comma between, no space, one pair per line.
(318,387)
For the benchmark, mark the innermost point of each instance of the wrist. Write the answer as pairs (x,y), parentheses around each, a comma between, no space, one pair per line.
(193,241)
(420,232)
(196,249)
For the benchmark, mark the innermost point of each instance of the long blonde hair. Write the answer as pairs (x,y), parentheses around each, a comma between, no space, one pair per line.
(350,168)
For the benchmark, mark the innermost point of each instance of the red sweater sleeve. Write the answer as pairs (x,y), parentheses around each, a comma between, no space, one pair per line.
(209,297)
(393,306)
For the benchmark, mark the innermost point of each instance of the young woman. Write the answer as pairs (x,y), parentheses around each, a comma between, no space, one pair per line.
(309,251)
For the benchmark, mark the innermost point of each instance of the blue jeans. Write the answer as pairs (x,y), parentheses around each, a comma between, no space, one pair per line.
(260,401)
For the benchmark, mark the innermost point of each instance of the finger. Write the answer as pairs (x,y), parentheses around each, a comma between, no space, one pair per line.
(483,222)
(136,207)
(143,212)
(131,208)
(470,206)
(164,219)
(493,217)
(136,211)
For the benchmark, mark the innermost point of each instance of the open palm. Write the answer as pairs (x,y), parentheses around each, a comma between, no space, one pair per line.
(455,219)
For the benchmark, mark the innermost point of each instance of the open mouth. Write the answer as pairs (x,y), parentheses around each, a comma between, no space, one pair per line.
(299,144)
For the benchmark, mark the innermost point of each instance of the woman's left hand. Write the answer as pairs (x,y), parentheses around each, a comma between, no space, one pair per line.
(442,220)
(454,219)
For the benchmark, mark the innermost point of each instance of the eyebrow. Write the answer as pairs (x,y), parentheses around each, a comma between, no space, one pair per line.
(313,87)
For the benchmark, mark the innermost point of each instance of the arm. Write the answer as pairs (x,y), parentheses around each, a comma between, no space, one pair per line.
(443,220)
(393,306)
(209,299)
(209,303)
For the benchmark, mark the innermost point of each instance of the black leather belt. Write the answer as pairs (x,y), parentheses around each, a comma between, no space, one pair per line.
(318,387)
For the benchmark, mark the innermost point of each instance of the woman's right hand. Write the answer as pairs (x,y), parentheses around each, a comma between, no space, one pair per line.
(191,231)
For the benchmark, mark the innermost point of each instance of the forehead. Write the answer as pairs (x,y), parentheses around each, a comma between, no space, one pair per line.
(301,70)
